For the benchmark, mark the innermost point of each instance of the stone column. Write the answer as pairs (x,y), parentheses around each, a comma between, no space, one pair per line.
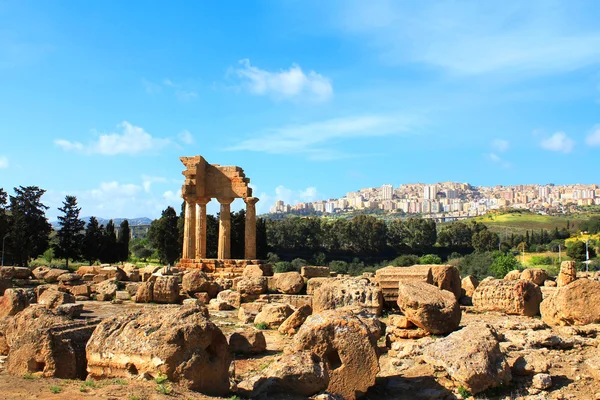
(224,252)
(189,229)
(250,234)
(201,227)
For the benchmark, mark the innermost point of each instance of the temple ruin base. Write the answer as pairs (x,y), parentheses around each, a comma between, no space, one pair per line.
(224,268)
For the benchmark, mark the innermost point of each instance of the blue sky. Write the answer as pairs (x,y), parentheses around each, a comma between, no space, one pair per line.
(313,99)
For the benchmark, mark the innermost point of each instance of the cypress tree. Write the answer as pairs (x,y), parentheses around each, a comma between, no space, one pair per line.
(108,253)
(92,241)
(123,242)
(70,235)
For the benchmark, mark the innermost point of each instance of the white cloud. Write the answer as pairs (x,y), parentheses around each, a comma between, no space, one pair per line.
(131,140)
(499,160)
(151,88)
(289,196)
(558,142)
(186,95)
(474,38)
(182,93)
(311,138)
(593,139)
(500,145)
(3,162)
(309,195)
(185,137)
(147,181)
(284,84)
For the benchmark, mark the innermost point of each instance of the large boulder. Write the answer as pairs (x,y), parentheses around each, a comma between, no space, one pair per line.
(469,284)
(54,298)
(40,272)
(252,285)
(231,298)
(178,342)
(288,282)
(42,341)
(51,276)
(429,307)
(336,293)
(291,325)
(567,274)
(195,281)
(144,293)
(106,290)
(445,277)
(518,297)
(13,301)
(578,303)
(249,311)
(535,275)
(298,374)
(513,275)
(250,341)
(272,315)
(472,357)
(347,348)
(166,290)
(310,271)
(389,277)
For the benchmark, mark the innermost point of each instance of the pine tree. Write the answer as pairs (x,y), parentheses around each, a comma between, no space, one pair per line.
(92,241)
(123,242)
(70,235)
(29,229)
(108,252)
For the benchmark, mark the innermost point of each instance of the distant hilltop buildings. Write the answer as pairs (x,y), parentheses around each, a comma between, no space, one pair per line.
(453,200)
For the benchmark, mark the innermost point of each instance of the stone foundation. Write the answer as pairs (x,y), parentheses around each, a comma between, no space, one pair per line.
(220,268)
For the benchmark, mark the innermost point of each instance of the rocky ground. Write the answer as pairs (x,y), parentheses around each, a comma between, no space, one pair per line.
(570,355)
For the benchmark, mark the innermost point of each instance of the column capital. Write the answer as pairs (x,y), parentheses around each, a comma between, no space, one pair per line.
(251,200)
(189,198)
(225,200)
(203,200)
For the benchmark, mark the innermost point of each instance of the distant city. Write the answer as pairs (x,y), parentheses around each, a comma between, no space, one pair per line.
(451,200)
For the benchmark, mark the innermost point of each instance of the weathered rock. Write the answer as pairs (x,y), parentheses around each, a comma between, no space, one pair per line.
(294,300)
(145,292)
(541,381)
(224,283)
(69,279)
(252,285)
(71,310)
(338,293)
(230,297)
(40,272)
(166,290)
(291,325)
(578,303)
(531,363)
(248,312)
(202,297)
(178,342)
(54,298)
(51,276)
(132,272)
(85,270)
(445,277)
(550,283)
(315,272)
(195,281)
(344,344)
(517,297)
(53,345)
(20,272)
(400,321)
(469,284)
(132,288)
(297,374)
(273,315)
(388,279)
(429,307)
(147,272)
(394,334)
(513,275)
(81,290)
(4,284)
(535,275)
(13,301)
(288,282)
(258,270)
(313,284)
(106,290)
(247,342)
(567,274)
(472,357)
(114,272)
(122,295)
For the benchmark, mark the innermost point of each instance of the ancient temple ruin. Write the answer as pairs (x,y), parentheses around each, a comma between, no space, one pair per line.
(203,182)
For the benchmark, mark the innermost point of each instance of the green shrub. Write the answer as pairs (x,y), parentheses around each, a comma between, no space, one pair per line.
(283,266)
(55,389)
(430,259)
(164,388)
(161,378)
(298,263)
(340,267)
(405,260)
(262,326)
(542,260)
(464,393)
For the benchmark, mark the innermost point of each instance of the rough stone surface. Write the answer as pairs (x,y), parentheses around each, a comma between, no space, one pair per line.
(291,325)
(513,275)
(70,279)
(517,297)
(388,279)
(550,283)
(51,276)
(273,315)
(250,341)
(400,321)
(195,281)
(535,275)
(43,342)
(166,290)
(472,357)
(429,307)
(40,272)
(297,374)
(252,285)
(288,282)
(145,292)
(346,347)
(249,311)
(469,284)
(313,284)
(230,297)
(80,290)
(54,298)
(179,342)
(258,270)
(338,293)
(106,290)
(445,277)
(541,381)
(13,301)
(578,303)
(567,274)
(4,284)
(315,272)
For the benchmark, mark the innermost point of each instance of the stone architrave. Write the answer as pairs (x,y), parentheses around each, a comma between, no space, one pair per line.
(224,251)
(250,234)
(201,227)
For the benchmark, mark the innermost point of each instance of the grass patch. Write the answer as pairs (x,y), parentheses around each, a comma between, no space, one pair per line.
(121,382)
(262,326)
(161,378)
(89,384)
(464,393)
(29,375)
(164,388)
(134,397)
(55,389)
(264,365)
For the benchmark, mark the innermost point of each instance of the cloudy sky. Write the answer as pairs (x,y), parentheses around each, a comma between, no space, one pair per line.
(313,99)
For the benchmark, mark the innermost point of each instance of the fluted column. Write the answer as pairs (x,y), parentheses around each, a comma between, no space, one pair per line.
(189,229)
(224,251)
(201,227)
(250,234)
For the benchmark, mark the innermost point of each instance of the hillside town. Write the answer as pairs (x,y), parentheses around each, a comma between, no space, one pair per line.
(452,200)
